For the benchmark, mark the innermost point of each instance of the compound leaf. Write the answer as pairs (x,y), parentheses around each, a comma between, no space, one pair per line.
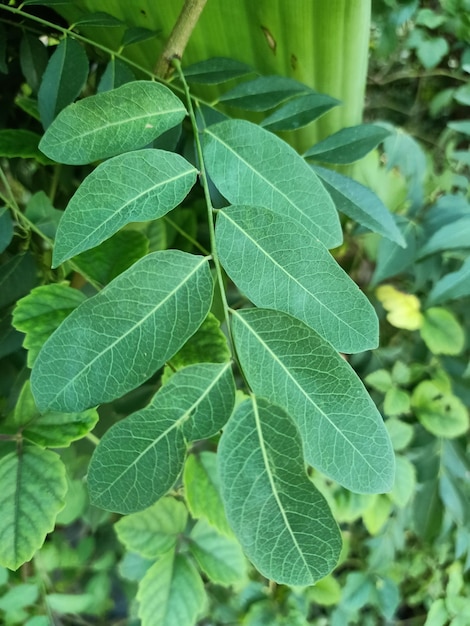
(250,165)
(118,338)
(133,187)
(140,457)
(282,522)
(33,488)
(276,263)
(292,366)
(112,122)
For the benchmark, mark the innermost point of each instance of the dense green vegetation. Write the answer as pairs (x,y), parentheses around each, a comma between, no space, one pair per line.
(234,378)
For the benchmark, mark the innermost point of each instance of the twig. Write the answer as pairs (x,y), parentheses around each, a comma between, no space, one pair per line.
(179,36)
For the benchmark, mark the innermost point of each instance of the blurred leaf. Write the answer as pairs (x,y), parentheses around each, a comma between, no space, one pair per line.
(33,60)
(202,490)
(437,614)
(442,332)
(113,256)
(17,277)
(462,126)
(117,73)
(348,144)
(41,212)
(455,498)
(19,597)
(440,412)
(405,482)
(3,51)
(451,236)
(377,513)
(404,309)
(400,433)
(63,79)
(21,144)
(100,18)
(380,380)
(427,510)
(396,402)
(155,530)
(215,71)
(42,311)
(134,567)
(429,18)
(137,34)
(393,259)
(6,229)
(326,592)
(462,95)
(388,597)
(263,93)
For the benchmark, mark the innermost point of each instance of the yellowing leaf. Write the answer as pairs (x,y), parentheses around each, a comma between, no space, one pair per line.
(403,308)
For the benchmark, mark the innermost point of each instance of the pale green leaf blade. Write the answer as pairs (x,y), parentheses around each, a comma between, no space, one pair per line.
(50,429)
(220,557)
(299,112)
(171,593)
(133,187)
(263,92)
(118,338)
(155,530)
(452,286)
(140,457)
(282,522)
(277,264)
(449,237)
(442,332)
(360,204)
(250,165)
(202,490)
(33,488)
(63,79)
(111,123)
(292,366)
(42,311)
(348,144)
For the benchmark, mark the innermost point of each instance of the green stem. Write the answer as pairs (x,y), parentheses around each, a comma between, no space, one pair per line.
(93,438)
(207,196)
(188,237)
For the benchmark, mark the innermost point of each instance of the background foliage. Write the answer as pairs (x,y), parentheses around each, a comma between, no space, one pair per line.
(406,553)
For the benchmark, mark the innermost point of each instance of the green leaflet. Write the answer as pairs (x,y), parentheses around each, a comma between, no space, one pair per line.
(117,339)
(63,79)
(140,457)
(155,530)
(292,366)
(277,264)
(202,490)
(40,312)
(299,112)
(348,144)
(33,488)
(220,557)
(449,237)
(20,143)
(113,122)
(360,204)
(133,187)
(263,92)
(215,71)
(250,165)
(117,73)
(452,286)
(171,592)
(282,522)
(50,429)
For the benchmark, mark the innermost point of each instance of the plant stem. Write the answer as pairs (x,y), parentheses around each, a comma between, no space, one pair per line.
(93,438)
(207,196)
(187,236)
(179,36)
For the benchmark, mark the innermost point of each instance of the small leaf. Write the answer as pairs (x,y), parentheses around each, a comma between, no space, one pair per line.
(441,332)
(215,71)
(404,309)
(348,144)
(452,286)
(376,514)
(263,92)
(428,510)
(140,457)
(155,530)
(63,79)
(137,34)
(41,212)
(219,557)
(113,256)
(299,112)
(33,60)
(42,311)
(431,51)
(440,412)
(251,166)
(99,18)
(111,123)
(380,380)
(6,229)
(171,593)
(17,277)
(400,433)
(462,126)
(360,204)
(292,366)
(396,402)
(277,264)
(202,490)
(282,522)
(133,187)
(131,321)
(33,488)
(117,73)
(405,482)
(449,237)
(51,429)
(21,144)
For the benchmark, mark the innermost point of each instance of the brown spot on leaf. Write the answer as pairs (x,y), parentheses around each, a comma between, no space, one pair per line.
(293,61)
(269,38)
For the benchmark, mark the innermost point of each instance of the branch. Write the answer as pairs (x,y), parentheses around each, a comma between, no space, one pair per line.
(179,36)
